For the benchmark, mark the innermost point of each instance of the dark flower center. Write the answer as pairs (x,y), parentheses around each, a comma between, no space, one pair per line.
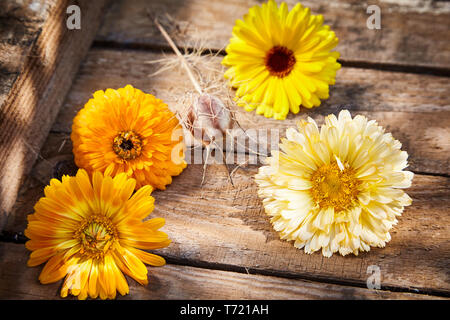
(280,61)
(127,145)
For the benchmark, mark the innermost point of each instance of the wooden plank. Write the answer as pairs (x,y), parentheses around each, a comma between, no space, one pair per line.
(39,58)
(20,25)
(17,281)
(415,108)
(411,32)
(220,225)
(236,233)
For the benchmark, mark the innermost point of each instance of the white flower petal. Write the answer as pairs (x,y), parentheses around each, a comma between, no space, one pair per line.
(348,163)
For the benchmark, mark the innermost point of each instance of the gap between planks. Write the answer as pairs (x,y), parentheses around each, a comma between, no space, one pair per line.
(410,33)
(414,108)
(361,64)
(81,97)
(294,276)
(237,235)
(174,281)
(181,266)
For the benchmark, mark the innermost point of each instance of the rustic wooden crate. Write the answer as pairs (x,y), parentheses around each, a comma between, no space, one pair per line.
(223,244)
(39,57)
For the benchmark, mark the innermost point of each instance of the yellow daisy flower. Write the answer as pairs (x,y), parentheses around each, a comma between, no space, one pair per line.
(280,59)
(91,231)
(337,188)
(127,130)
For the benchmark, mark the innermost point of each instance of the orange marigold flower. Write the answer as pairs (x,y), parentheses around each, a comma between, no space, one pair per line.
(127,130)
(90,231)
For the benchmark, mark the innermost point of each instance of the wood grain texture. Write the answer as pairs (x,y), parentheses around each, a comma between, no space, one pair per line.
(221,232)
(415,108)
(225,227)
(412,32)
(219,224)
(20,25)
(45,56)
(17,281)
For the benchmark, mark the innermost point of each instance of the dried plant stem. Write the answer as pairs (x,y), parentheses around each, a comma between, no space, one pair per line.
(240,165)
(199,90)
(224,159)
(208,152)
(180,55)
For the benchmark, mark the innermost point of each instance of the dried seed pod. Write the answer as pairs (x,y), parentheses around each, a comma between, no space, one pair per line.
(208,119)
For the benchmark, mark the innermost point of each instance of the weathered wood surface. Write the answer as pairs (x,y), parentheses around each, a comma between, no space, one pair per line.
(218,225)
(412,32)
(228,225)
(19,27)
(17,281)
(41,56)
(239,234)
(221,232)
(415,108)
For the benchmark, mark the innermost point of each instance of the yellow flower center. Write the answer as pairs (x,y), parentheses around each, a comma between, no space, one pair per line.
(127,145)
(280,61)
(96,235)
(334,187)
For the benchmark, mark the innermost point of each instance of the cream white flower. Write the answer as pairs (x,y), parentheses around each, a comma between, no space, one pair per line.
(337,188)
